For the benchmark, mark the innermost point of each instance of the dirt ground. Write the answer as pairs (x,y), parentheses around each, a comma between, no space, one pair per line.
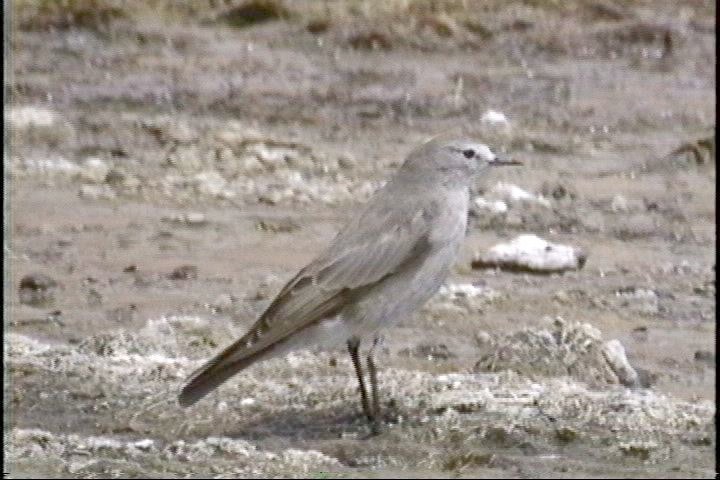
(171,166)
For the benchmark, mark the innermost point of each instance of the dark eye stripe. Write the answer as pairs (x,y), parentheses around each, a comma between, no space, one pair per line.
(469,153)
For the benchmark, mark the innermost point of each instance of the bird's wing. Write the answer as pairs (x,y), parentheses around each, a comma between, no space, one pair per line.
(359,258)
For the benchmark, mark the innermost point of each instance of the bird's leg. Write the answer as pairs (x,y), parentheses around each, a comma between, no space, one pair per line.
(353,345)
(373,382)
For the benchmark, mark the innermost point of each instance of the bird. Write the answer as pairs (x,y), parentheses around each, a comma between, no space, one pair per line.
(383,265)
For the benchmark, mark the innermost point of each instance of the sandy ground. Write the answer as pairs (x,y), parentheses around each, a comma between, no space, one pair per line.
(169,170)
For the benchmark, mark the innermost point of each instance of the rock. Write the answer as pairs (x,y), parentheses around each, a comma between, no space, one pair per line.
(566,348)
(532,254)
(184,272)
(462,297)
(428,351)
(122,314)
(116,177)
(94,170)
(191,219)
(195,218)
(640,334)
(37,289)
(514,195)
(619,204)
(285,225)
(705,356)
(483,338)
(346,161)
(94,298)
(212,183)
(646,378)
(497,207)
(639,300)
(224,302)
(495,120)
(96,192)
(614,353)
(30,116)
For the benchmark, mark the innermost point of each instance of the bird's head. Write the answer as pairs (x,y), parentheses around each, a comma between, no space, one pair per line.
(457,160)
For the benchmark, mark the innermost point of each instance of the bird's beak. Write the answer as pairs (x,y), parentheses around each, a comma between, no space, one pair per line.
(504,161)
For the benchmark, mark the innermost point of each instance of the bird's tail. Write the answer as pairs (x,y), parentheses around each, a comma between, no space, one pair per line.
(215,372)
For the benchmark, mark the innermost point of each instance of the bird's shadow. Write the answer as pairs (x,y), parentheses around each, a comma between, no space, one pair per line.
(318,425)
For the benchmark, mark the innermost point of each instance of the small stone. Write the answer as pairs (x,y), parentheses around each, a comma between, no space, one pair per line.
(640,300)
(493,206)
(94,298)
(512,194)
(704,356)
(224,302)
(37,289)
(346,162)
(94,170)
(145,444)
(96,192)
(640,333)
(429,352)
(619,204)
(210,183)
(495,120)
(614,353)
(483,338)
(185,272)
(646,378)
(115,177)
(195,218)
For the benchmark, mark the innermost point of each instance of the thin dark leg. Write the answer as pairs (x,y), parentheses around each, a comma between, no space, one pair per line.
(353,345)
(373,383)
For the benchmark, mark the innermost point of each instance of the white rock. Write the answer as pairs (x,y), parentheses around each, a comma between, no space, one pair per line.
(614,353)
(531,253)
(145,444)
(493,206)
(495,119)
(30,116)
(210,183)
(619,204)
(96,192)
(94,170)
(48,165)
(462,290)
(514,194)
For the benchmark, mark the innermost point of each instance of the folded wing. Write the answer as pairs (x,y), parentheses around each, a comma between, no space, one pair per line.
(365,253)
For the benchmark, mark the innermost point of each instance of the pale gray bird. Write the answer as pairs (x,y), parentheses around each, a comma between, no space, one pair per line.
(383,265)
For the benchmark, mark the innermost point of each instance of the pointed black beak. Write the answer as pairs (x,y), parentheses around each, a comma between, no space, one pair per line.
(504,161)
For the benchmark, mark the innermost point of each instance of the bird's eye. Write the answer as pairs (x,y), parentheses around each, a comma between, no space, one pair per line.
(469,153)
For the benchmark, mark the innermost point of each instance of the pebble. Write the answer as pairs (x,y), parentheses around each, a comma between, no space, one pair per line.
(614,353)
(705,356)
(184,272)
(619,204)
(96,192)
(495,119)
(37,289)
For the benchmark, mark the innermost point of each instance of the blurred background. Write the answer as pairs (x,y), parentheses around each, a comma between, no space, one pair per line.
(169,165)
